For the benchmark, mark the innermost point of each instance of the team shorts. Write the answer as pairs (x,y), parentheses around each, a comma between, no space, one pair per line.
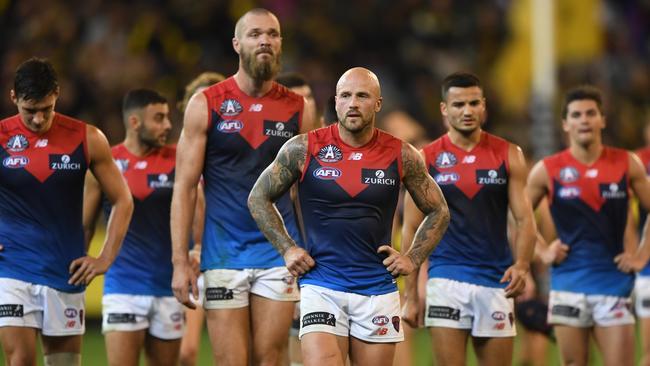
(642,296)
(200,283)
(486,311)
(231,288)
(55,313)
(373,318)
(162,316)
(581,310)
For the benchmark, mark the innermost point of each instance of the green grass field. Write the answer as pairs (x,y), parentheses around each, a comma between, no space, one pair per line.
(94,352)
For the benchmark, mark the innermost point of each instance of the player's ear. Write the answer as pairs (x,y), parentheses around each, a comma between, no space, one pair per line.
(379,103)
(12,96)
(235,44)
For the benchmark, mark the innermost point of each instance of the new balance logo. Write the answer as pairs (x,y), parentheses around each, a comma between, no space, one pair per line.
(355,156)
(255,108)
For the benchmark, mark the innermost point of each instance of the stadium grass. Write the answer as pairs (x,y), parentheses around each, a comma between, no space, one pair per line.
(94,351)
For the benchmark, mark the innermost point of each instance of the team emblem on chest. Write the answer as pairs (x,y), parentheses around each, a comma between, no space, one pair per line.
(569,174)
(330,154)
(446,160)
(230,107)
(17,143)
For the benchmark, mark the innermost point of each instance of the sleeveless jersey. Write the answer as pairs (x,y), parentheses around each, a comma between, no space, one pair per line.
(644,155)
(348,197)
(474,249)
(589,205)
(41,195)
(143,266)
(244,136)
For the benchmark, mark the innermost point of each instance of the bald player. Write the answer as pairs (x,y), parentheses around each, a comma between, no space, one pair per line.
(348,177)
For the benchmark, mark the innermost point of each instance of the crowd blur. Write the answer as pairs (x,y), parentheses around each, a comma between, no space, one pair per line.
(103,48)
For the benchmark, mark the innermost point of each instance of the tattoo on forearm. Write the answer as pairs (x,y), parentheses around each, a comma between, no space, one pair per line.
(275,181)
(428,198)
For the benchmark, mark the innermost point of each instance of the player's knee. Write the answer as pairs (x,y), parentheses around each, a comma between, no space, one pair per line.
(62,359)
(20,358)
(189,355)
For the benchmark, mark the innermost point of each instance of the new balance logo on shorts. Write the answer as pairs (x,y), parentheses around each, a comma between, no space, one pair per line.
(119,318)
(566,310)
(218,293)
(11,310)
(319,317)
(443,312)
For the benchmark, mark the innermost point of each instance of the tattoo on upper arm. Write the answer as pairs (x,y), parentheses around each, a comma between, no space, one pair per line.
(417,180)
(286,168)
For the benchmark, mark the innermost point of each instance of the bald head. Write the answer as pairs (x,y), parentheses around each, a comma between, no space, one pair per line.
(360,76)
(243,21)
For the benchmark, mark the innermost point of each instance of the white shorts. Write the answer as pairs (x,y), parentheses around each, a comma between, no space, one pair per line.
(231,288)
(461,305)
(642,296)
(55,313)
(374,318)
(581,310)
(163,315)
(200,282)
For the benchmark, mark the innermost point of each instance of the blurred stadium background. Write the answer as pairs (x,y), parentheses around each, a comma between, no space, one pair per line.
(526,52)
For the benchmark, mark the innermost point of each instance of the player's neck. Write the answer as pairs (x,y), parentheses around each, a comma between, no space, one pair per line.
(136,147)
(356,139)
(586,154)
(465,141)
(252,87)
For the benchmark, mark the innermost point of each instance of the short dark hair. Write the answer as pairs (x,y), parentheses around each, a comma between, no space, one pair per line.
(140,98)
(291,79)
(582,92)
(35,79)
(459,80)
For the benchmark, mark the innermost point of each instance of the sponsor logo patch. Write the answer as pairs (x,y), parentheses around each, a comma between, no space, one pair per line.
(63,162)
(330,154)
(565,310)
(443,312)
(489,177)
(120,318)
(277,129)
(568,192)
(380,320)
(15,162)
(446,178)
(396,320)
(499,315)
(218,294)
(612,191)
(70,313)
(319,317)
(230,107)
(378,177)
(645,303)
(160,181)
(11,311)
(176,317)
(122,164)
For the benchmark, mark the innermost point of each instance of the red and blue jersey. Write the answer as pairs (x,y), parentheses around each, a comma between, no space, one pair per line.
(348,197)
(41,195)
(143,266)
(244,136)
(589,205)
(474,249)
(644,155)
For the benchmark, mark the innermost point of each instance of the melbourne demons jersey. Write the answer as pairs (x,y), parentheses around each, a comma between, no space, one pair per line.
(644,155)
(143,266)
(589,205)
(244,136)
(348,197)
(474,248)
(41,195)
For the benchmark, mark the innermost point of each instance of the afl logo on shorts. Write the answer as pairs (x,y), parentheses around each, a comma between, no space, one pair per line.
(230,107)
(17,143)
(327,173)
(15,162)
(70,313)
(230,126)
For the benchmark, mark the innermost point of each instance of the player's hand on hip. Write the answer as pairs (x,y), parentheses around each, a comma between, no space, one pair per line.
(396,263)
(516,276)
(629,262)
(184,280)
(83,270)
(298,261)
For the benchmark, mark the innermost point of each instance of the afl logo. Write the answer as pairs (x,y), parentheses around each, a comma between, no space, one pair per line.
(327,173)
(17,143)
(569,174)
(230,107)
(446,178)
(70,312)
(446,160)
(230,126)
(499,316)
(380,320)
(15,162)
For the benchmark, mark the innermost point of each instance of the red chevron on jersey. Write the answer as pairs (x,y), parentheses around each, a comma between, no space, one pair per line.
(277,113)
(592,184)
(354,168)
(146,174)
(470,171)
(43,154)
(644,155)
